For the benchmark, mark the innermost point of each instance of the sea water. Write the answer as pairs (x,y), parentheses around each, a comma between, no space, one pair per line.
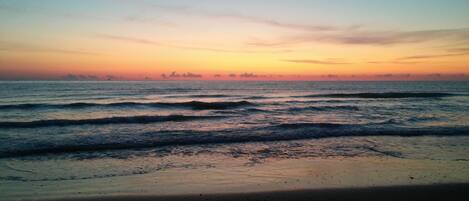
(65,131)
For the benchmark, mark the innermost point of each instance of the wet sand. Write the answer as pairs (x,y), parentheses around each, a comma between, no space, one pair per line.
(447,192)
(356,178)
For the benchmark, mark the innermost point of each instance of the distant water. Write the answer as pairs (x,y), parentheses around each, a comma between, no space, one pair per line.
(102,120)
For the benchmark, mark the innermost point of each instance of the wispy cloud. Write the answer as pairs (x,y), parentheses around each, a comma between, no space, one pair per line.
(272,22)
(349,35)
(155,43)
(148,20)
(395,62)
(460,50)
(217,15)
(378,38)
(128,39)
(164,44)
(399,37)
(22,47)
(431,56)
(423,58)
(323,62)
(49,12)
(85,16)
(256,42)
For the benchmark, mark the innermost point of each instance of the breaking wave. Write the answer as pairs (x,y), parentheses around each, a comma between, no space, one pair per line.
(280,132)
(324,108)
(196,105)
(381,95)
(102,121)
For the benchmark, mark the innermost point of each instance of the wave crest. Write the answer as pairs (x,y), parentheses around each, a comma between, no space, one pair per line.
(381,95)
(281,132)
(102,121)
(324,108)
(196,105)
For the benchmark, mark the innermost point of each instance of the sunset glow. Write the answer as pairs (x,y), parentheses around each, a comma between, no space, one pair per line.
(218,40)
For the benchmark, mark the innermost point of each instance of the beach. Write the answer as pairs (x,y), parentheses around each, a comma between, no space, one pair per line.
(450,192)
(233,141)
(232,179)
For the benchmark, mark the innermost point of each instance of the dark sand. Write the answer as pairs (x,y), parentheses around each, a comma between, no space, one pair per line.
(440,192)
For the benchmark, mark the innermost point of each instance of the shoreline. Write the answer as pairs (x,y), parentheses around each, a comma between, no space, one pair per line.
(447,192)
(228,178)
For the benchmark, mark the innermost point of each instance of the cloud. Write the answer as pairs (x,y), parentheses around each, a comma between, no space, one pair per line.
(191,75)
(309,61)
(84,16)
(111,77)
(262,43)
(248,75)
(79,77)
(331,76)
(162,44)
(395,62)
(415,59)
(217,15)
(48,12)
(83,77)
(176,75)
(377,38)
(22,47)
(148,20)
(399,37)
(127,39)
(431,56)
(385,75)
(461,50)
(353,35)
(270,22)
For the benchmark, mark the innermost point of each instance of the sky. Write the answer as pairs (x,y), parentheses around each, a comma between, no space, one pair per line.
(234,39)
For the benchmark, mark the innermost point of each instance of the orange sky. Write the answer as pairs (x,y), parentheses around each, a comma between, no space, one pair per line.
(119,39)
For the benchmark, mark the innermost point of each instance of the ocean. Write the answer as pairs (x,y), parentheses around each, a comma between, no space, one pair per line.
(56,131)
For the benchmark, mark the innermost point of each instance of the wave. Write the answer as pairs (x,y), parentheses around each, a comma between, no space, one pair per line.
(317,101)
(102,121)
(196,105)
(310,125)
(281,132)
(258,97)
(201,96)
(324,108)
(381,95)
(424,119)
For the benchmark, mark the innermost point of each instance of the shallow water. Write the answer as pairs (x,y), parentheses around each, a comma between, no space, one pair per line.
(75,131)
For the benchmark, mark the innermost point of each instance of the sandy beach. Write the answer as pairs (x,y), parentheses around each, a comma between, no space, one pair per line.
(358,178)
(448,192)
